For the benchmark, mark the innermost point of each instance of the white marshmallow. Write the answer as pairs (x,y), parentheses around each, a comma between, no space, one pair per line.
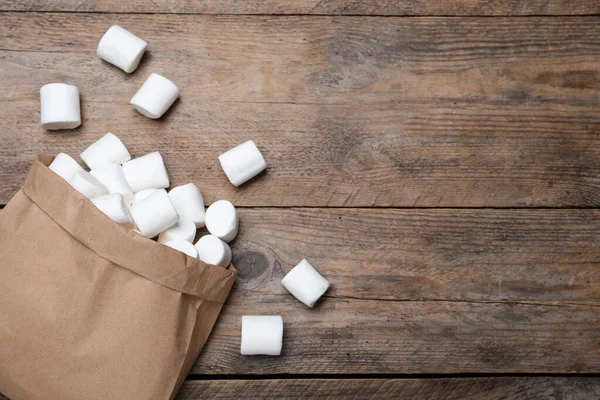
(305,283)
(214,251)
(143,194)
(87,184)
(146,172)
(184,229)
(107,150)
(65,166)
(262,334)
(60,106)
(184,247)
(114,207)
(242,163)
(155,96)
(222,220)
(154,214)
(111,176)
(188,201)
(121,48)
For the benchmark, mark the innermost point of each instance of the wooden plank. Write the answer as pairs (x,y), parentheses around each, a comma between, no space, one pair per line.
(349,111)
(516,388)
(334,7)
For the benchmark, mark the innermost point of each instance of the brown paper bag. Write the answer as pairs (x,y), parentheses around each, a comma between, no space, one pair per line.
(90,309)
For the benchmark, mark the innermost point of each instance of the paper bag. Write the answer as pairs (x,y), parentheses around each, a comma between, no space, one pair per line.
(90,309)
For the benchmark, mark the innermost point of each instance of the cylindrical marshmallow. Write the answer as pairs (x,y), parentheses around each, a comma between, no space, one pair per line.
(107,150)
(214,251)
(262,334)
(111,176)
(87,184)
(222,220)
(305,283)
(242,163)
(188,201)
(184,229)
(146,172)
(60,106)
(121,48)
(141,195)
(154,214)
(184,247)
(114,207)
(155,96)
(65,166)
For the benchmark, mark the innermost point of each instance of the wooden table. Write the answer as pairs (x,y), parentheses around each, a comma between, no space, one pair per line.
(438,161)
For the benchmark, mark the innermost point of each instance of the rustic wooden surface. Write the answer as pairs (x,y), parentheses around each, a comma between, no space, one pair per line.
(443,172)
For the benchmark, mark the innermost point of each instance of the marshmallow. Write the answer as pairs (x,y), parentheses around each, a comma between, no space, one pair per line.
(154,214)
(65,166)
(184,229)
(143,194)
(111,176)
(60,106)
(146,172)
(155,96)
(184,247)
(188,201)
(214,251)
(114,207)
(305,283)
(87,184)
(242,163)
(262,334)
(121,48)
(222,220)
(107,150)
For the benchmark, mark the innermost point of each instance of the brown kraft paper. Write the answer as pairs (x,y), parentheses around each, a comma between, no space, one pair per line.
(90,309)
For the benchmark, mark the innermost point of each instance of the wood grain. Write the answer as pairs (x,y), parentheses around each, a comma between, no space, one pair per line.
(349,111)
(336,7)
(516,388)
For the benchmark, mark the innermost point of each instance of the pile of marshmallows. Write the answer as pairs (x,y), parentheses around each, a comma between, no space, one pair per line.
(132,192)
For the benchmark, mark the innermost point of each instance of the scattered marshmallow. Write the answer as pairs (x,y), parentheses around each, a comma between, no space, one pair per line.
(65,166)
(184,247)
(154,214)
(146,172)
(60,106)
(113,205)
(87,184)
(188,201)
(242,163)
(107,150)
(155,96)
(111,176)
(184,229)
(262,334)
(305,283)
(121,48)
(222,220)
(214,251)
(141,195)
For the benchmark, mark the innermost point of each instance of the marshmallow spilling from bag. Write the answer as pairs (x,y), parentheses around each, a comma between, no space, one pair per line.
(154,214)
(155,96)
(65,166)
(305,283)
(113,205)
(107,150)
(188,201)
(214,251)
(184,247)
(60,106)
(111,176)
(242,163)
(222,220)
(141,195)
(262,335)
(184,229)
(121,48)
(146,172)
(87,184)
